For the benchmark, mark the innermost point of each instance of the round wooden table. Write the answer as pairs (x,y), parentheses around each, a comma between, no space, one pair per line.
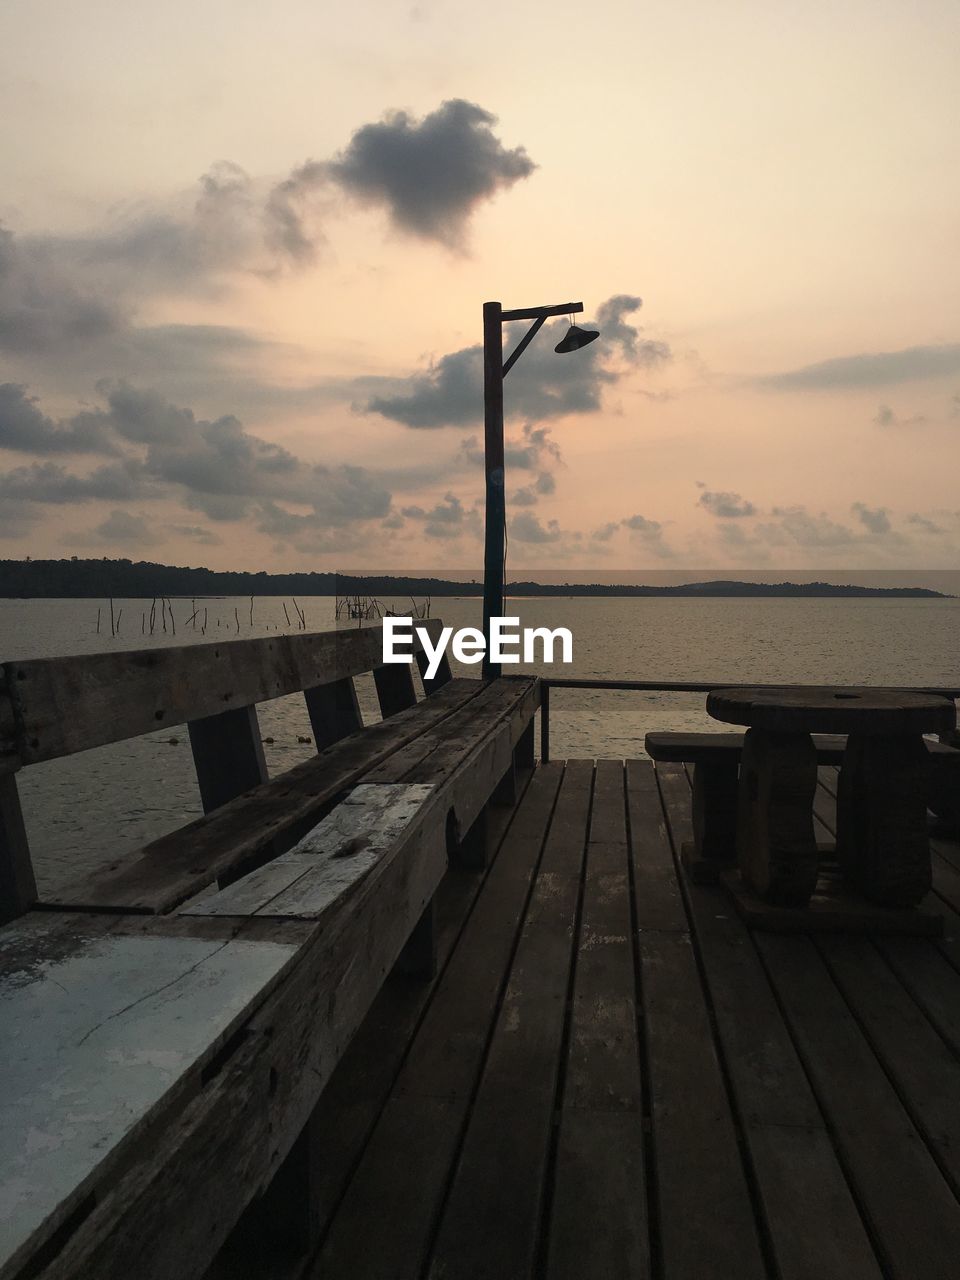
(882,843)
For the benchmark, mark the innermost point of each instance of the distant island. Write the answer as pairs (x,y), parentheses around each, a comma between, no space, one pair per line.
(127,579)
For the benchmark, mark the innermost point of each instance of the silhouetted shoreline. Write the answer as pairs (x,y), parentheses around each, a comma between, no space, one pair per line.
(29,579)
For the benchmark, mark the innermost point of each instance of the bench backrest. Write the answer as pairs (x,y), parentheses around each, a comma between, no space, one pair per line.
(53,707)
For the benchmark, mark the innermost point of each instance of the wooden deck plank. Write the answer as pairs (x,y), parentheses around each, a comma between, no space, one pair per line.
(811,1218)
(357,1092)
(911,1211)
(598,1223)
(658,905)
(403,1173)
(924,1071)
(490,1224)
(931,979)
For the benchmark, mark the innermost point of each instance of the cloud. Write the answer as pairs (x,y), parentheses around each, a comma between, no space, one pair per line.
(51,483)
(726,505)
(25,429)
(214,466)
(197,533)
(649,533)
(430,174)
(526,527)
(924,523)
(885,417)
(606,531)
(121,529)
(447,519)
(541,385)
(529,495)
(638,351)
(797,525)
(869,370)
(876,521)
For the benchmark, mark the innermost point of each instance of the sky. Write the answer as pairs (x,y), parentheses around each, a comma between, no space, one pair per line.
(244,253)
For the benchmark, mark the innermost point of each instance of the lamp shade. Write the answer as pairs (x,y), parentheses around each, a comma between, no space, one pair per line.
(575,338)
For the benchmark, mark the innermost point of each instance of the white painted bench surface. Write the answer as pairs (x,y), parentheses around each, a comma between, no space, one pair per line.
(92,1041)
(336,854)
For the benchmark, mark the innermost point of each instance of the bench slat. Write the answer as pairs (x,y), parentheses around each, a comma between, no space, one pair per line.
(179,865)
(62,705)
(93,1040)
(695,748)
(322,867)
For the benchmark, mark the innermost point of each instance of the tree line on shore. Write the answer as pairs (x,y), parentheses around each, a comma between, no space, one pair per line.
(127,579)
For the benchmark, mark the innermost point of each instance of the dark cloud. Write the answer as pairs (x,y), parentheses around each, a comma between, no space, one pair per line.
(429,174)
(875,520)
(606,531)
(42,309)
(869,370)
(526,527)
(885,417)
(214,466)
(613,330)
(797,525)
(120,529)
(541,384)
(640,524)
(24,428)
(530,494)
(725,505)
(48,482)
(447,519)
(924,523)
(197,533)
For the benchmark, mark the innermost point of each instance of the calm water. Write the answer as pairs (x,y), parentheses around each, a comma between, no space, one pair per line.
(89,808)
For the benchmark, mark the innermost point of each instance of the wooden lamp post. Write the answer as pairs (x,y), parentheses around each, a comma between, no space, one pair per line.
(495,369)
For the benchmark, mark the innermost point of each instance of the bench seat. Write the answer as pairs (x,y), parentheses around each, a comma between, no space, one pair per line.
(716,761)
(165,1066)
(267,818)
(699,748)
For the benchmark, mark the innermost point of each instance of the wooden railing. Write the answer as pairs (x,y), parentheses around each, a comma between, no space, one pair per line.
(54,707)
(672,686)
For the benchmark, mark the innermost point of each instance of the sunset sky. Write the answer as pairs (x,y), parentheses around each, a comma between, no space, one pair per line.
(244,252)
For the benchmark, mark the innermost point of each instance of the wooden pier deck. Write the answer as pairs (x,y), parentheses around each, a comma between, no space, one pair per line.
(611,1076)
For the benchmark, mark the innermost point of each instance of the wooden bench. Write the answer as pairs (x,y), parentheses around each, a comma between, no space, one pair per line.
(173,1030)
(716,760)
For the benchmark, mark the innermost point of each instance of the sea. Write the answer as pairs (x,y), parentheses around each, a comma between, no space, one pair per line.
(105,803)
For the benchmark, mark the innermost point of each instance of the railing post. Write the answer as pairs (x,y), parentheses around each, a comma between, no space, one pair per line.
(333,710)
(544,721)
(228,755)
(18,885)
(443,672)
(395,688)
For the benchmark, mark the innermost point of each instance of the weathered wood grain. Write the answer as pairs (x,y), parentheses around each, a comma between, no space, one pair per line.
(599,1224)
(417,1135)
(902,1194)
(176,866)
(62,705)
(813,1222)
(491,1221)
(94,1041)
(706,1218)
(322,867)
